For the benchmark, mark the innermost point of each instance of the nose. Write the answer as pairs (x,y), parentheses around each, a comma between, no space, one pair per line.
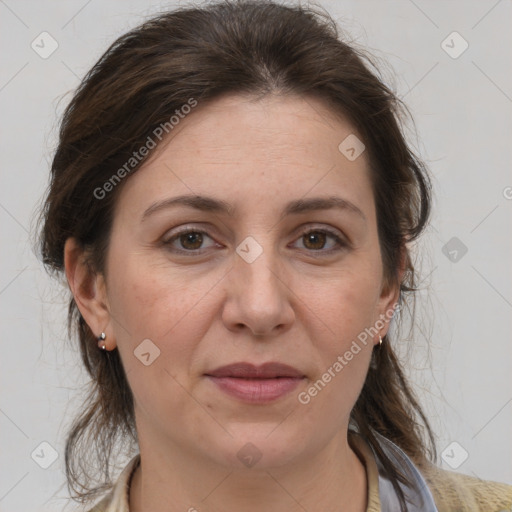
(259,297)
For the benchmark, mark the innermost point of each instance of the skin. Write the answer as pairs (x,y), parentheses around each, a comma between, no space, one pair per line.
(297,303)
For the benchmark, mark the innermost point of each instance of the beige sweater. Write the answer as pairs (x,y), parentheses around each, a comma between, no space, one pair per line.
(452,492)
(455,492)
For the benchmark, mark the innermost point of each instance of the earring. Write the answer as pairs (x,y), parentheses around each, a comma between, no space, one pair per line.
(102,337)
(375,355)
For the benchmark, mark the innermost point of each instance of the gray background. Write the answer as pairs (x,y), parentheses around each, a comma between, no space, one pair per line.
(460,357)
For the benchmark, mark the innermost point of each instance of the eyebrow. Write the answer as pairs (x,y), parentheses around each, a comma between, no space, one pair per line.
(210,204)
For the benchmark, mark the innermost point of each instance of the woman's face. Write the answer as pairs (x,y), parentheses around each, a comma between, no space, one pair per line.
(263,280)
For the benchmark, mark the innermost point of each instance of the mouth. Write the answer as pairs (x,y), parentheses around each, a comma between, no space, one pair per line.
(256,384)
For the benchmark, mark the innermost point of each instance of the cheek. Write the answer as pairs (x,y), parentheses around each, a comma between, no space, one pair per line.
(158,303)
(344,312)
(150,304)
(153,300)
(347,303)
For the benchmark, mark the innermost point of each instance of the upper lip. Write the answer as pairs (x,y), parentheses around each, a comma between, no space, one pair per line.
(245,370)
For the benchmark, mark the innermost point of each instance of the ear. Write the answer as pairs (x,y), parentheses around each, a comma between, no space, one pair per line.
(89,290)
(388,300)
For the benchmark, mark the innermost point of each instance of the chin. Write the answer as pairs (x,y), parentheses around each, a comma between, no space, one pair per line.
(261,446)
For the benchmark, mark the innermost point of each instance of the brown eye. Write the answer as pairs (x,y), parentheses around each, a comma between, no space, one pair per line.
(315,238)
(191,240)
(315,241)
(188,242)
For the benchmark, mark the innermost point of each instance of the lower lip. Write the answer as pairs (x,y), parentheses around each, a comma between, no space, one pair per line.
(256,390)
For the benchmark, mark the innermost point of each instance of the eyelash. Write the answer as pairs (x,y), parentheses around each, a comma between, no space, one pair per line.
(194,252)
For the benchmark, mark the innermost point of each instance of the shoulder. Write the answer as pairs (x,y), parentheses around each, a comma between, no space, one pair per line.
(450,491)
(102,506)
(456,492)
(117,498)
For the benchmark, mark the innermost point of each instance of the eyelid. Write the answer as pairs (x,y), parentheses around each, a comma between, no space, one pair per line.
(341,240)
(168,240)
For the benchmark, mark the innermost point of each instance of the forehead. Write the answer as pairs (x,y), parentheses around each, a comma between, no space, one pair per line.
(253,151)
(290,126)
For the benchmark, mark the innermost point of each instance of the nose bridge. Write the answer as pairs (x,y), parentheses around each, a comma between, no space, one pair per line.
(257,265)
(261,297)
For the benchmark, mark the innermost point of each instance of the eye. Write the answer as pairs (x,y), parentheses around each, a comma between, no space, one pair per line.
(190,241)
(315,239)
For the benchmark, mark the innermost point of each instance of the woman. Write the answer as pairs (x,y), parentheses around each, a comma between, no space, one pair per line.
(232,202)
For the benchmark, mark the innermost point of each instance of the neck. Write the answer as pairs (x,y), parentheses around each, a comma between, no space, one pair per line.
(176,480)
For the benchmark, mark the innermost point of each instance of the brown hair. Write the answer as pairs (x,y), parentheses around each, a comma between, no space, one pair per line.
(256,48)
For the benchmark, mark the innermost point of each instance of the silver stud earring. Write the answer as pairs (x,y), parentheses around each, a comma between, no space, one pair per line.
(102,337)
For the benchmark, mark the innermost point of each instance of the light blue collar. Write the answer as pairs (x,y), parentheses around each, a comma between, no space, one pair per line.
(418,498)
